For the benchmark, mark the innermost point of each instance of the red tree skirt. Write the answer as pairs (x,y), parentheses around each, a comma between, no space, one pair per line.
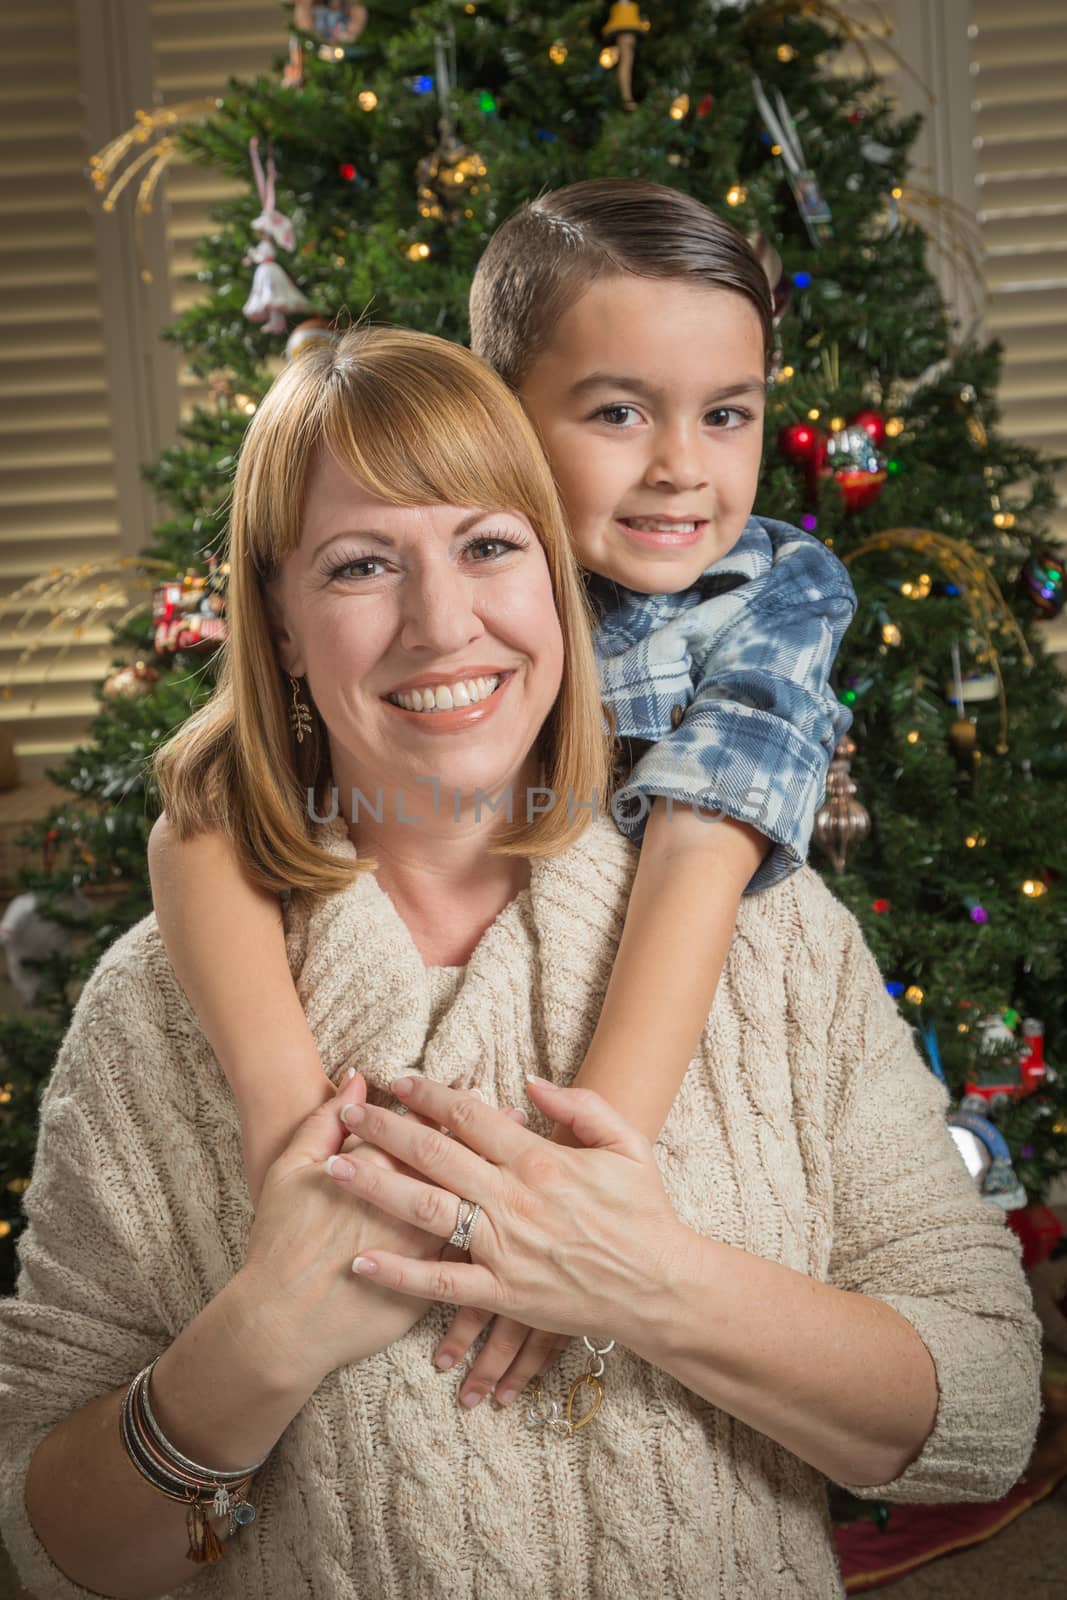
(919,1534)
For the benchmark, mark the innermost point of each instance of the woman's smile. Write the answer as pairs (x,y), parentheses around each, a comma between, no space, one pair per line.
(451,707)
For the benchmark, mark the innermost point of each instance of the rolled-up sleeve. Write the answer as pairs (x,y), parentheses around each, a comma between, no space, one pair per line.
(911,1230)
(83,1320)
(756,739)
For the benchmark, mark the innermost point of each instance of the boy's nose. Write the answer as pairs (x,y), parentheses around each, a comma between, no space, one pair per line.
(676,462)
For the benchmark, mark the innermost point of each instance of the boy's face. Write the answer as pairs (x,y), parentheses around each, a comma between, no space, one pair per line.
(649,402)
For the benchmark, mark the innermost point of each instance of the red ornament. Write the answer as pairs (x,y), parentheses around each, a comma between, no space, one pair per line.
(347,171)
(873,423)
(805,447)
(850,456)
(705,106)
(798,442)
(882,906)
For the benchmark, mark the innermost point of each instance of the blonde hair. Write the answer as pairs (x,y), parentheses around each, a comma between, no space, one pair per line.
(417,421)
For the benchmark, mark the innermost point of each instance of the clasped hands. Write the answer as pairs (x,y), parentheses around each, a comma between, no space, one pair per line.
(569,1240)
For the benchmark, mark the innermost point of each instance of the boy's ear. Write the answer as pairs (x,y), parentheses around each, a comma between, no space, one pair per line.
(285,645)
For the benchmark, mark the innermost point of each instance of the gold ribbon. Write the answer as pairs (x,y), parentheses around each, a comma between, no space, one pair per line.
(964,566)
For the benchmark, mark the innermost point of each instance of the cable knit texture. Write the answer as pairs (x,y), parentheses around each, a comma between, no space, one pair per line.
(807,1131)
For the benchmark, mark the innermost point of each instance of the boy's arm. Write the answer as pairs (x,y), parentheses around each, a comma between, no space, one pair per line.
(756,738)
(753,746)
(679,923)
(225,940)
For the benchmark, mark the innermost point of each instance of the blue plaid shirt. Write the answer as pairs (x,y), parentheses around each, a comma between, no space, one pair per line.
(729,680)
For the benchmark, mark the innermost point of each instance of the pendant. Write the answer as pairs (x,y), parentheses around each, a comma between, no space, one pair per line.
(594,1407)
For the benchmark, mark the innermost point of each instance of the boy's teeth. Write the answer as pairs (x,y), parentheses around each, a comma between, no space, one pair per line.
(659,525)
(446,697)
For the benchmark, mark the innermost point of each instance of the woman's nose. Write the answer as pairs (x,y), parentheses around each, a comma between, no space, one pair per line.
(676,460)
(440,612)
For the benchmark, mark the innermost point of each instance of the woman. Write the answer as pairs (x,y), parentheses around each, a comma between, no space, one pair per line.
(804,1222)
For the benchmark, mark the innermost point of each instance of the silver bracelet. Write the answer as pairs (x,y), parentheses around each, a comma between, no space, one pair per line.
(165,1444)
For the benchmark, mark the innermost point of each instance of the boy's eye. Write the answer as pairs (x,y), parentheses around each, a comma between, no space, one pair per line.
(726,412)
(616,415)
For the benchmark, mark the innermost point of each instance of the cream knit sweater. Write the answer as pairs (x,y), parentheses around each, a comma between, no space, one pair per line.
(807,1131)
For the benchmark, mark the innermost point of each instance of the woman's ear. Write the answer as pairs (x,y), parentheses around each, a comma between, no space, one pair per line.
(285,645)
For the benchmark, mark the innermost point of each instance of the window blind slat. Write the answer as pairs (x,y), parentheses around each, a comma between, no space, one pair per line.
(57,471)
(1019,78)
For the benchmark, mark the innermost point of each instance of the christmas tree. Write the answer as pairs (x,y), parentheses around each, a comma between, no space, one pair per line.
(400,140)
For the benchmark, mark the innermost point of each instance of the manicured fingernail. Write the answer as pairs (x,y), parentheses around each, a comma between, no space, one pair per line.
(471,1400)
(350,1073)
(444,1361)
(352,1116)
(402,1085)
(507,1397)
(338,1167)
(536,1080)
(362,1264)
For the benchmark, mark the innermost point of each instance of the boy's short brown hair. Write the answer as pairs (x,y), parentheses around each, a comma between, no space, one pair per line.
(539,262)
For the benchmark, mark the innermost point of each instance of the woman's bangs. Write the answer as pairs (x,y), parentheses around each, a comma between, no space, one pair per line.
(440,446)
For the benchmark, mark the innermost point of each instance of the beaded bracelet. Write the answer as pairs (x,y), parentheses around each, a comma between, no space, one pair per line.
(174,1475)
(565,1424)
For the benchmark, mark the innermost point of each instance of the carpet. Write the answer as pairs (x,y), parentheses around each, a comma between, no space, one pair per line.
(917,1535)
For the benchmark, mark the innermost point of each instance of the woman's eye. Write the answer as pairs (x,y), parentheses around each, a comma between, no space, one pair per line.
(348,569)
(362,567)
(502,546)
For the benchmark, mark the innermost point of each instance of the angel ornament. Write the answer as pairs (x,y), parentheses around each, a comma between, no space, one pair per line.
(274,295)
(338,24)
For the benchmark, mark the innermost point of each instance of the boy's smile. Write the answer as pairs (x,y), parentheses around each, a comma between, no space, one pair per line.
(649,401)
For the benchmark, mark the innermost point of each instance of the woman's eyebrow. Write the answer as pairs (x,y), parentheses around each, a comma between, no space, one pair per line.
(386,540)
(367,535)
(607,380)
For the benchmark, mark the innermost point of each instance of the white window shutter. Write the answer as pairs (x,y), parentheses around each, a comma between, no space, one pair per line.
(1019,90)
(86,388)
(58,496)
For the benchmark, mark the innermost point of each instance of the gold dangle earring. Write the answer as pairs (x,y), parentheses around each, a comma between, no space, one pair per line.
(299,712)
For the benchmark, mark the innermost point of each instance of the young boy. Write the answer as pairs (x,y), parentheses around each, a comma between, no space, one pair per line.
(635,327)
(616,299)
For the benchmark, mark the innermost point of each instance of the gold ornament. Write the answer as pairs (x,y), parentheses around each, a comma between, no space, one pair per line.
(75,599)
(310,335)
(447,176)
(840,822)
(963,736)
(131,682)
(624,23)
(158,130)
(987,608)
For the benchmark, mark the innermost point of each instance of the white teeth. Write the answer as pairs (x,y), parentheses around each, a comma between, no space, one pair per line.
(446,697)
(659,525)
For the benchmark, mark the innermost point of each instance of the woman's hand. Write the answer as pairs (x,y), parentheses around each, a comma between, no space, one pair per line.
(567,1240)
(312,1311)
